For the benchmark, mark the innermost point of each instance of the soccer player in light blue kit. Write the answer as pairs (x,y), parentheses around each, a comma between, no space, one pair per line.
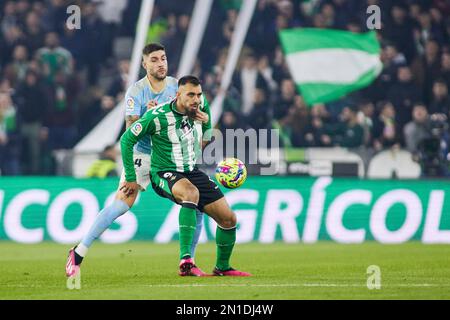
(155,88)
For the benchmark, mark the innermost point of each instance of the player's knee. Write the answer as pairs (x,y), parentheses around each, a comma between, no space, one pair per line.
(191,194)
(229,221)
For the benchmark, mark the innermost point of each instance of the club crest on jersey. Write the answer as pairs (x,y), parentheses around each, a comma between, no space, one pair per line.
(130,104)
(185,128)
(136,129)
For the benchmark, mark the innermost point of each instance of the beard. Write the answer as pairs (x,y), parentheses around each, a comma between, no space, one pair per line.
(191,113)
(158,76)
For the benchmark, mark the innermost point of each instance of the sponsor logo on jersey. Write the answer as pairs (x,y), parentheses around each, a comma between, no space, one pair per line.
(167,175)
(136,129)
(130,104)
(185,129)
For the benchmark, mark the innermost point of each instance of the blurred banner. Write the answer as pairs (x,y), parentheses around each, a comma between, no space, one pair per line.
(328,64)
(290,209)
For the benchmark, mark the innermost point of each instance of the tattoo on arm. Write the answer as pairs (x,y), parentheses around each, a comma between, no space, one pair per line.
(129,120)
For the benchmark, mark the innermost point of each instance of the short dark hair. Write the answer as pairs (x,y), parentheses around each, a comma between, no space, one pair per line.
(152,47)
(419,104)
(440,80)
(188,79)
(353,107)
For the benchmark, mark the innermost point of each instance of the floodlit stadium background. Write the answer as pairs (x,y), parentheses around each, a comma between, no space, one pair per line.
(346,176)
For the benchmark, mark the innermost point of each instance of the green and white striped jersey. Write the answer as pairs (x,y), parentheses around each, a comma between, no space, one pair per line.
(176,139)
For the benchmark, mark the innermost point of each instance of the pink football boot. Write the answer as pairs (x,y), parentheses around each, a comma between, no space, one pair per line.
(230,273)
(188,268)
(71,268)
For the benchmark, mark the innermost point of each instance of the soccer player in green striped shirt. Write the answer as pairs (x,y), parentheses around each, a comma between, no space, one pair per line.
(175,133)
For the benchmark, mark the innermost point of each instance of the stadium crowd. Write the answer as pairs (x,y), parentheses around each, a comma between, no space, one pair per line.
(53,88)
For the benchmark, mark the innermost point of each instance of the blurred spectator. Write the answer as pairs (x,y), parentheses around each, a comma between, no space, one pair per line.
(174,40)
(229,120)
(320,110)
(35,35)
(247,80)
(365,119)
(32,105)
(348,133)
(259,116)
(440,103)
(119,83)
(54,59)
(76,43)
(5,86)
(280,68)
(111,13)
(261,34)
(105,166)
(96,41)
(56,15)
(386,132)
(11,38)
(403,94)
(433,149)
(9,18)
(60,116)
(285,100)
(418,129)
(427,68)
(94,107)
(315,134)
(445,71)
(9,137)
(392,59)
(298,121)
(15,71)
(400,30)
(266,71)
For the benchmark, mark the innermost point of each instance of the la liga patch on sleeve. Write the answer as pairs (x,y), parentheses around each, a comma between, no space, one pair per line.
(136,129)
(130,104)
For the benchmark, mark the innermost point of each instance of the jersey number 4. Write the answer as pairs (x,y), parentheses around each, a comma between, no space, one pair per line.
(138,162)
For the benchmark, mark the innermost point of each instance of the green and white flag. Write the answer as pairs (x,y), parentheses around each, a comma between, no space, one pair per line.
(327,64)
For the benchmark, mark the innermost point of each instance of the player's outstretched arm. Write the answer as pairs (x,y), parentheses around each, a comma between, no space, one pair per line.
(130,137)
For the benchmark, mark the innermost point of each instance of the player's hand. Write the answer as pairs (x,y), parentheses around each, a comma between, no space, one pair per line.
(129,188)
(201,116)
(151,104)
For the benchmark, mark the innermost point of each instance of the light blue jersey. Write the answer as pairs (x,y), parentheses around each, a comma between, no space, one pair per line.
(137,97)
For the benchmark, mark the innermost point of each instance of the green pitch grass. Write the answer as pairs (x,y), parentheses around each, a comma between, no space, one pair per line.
(139,270)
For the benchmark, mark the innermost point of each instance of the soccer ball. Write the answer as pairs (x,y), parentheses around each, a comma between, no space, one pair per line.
(231,173)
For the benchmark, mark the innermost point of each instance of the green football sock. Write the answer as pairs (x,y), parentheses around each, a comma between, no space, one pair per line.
(187,222)
(225,240)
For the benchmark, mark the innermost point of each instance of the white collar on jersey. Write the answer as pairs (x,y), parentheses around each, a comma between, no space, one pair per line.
(151,88)
(174,107)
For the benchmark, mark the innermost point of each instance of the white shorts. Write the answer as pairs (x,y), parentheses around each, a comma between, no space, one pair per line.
(142,168)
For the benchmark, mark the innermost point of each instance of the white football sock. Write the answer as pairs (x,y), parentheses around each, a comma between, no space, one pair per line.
(82,250)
